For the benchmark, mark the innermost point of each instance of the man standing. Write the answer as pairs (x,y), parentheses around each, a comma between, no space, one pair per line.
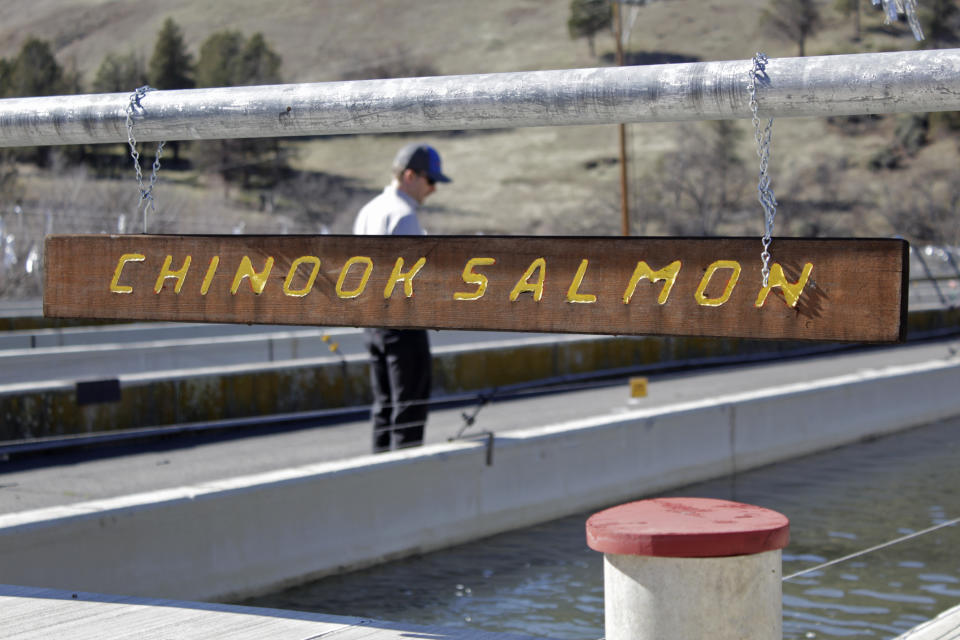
(400,359)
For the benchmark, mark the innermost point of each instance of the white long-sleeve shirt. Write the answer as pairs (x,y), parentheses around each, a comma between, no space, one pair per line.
(391,213)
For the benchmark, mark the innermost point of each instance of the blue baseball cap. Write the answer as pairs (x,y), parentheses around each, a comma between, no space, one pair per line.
(421,158)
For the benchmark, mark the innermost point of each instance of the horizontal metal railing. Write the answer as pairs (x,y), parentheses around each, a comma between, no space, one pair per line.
(934,276)
(912,81)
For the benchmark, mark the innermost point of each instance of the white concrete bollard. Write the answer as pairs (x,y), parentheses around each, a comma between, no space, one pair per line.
(690,569)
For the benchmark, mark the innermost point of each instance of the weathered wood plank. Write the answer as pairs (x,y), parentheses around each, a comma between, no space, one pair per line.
(836,289)
(31,613)
(946,626)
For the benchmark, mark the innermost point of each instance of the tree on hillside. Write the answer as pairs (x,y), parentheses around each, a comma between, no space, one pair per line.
(701,183)
(795,20)
(119,73)
(6,68)
(587,17)
(940,20)
(851,8)
(171,65)
(398,63)
(72,78)
(929,215)
(259,64)
(9,190)
(228,59)
(220,60)
(35,72)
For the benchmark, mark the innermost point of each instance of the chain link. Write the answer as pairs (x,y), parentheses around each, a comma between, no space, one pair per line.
(764,192)
(892,9)
(146,193)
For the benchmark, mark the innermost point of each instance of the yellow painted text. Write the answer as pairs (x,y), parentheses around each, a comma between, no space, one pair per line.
(398,275)
(115,285)
(471,277)
(258,279)
(643,270)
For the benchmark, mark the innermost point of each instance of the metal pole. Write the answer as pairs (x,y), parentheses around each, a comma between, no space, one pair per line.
(912,81)
(622,131)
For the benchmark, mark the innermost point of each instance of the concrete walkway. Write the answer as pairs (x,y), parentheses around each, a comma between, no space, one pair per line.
(203,520)
(64,479)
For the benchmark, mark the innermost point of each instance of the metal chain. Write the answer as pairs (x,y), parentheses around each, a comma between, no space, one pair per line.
(146,193)
(764,192)
(892,9)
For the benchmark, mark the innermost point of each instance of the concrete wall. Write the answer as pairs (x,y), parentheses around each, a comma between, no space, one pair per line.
(34,410)
(240,536)
(237,391)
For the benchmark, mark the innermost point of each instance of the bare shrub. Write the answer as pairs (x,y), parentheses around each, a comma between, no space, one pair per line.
(68,201)
(854,125)
(701,184)
(922,209)
(819,200)
(794,20)
(10,188)
(398,64)
(909,137)
(321,201)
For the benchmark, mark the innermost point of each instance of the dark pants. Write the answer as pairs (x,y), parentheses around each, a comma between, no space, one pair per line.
(400,377)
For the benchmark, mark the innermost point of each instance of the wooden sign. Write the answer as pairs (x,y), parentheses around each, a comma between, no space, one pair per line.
(850,290)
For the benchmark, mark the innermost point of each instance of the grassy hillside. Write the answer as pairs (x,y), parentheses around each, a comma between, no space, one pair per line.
(323,39)
(541,180)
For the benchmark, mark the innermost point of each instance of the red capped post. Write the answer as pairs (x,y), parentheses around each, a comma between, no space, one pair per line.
(691,569)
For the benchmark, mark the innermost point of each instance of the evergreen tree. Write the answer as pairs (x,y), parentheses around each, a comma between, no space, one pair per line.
(221,60)
(72,78)
(228,59)
(171,65)
(587,17)
(6,69)
(35,72)
(259,64)
(120,73)
(71,84)
(940,20)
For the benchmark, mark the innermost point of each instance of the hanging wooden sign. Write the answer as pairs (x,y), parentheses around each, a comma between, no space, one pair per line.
(848,289)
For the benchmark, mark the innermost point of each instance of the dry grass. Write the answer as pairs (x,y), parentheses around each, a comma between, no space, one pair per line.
(323,40)
(520,181)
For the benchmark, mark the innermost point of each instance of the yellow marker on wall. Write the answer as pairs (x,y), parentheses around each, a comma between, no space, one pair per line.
(333,346)
(638,387)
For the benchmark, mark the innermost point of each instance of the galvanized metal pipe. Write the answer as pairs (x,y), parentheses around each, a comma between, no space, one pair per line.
(899,82)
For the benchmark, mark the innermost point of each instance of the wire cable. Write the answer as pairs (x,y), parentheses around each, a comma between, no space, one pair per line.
(864,552)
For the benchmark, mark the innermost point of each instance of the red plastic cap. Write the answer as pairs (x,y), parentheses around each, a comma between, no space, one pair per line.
(687,528)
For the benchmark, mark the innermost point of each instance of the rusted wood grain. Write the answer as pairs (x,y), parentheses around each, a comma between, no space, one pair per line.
(833,289)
